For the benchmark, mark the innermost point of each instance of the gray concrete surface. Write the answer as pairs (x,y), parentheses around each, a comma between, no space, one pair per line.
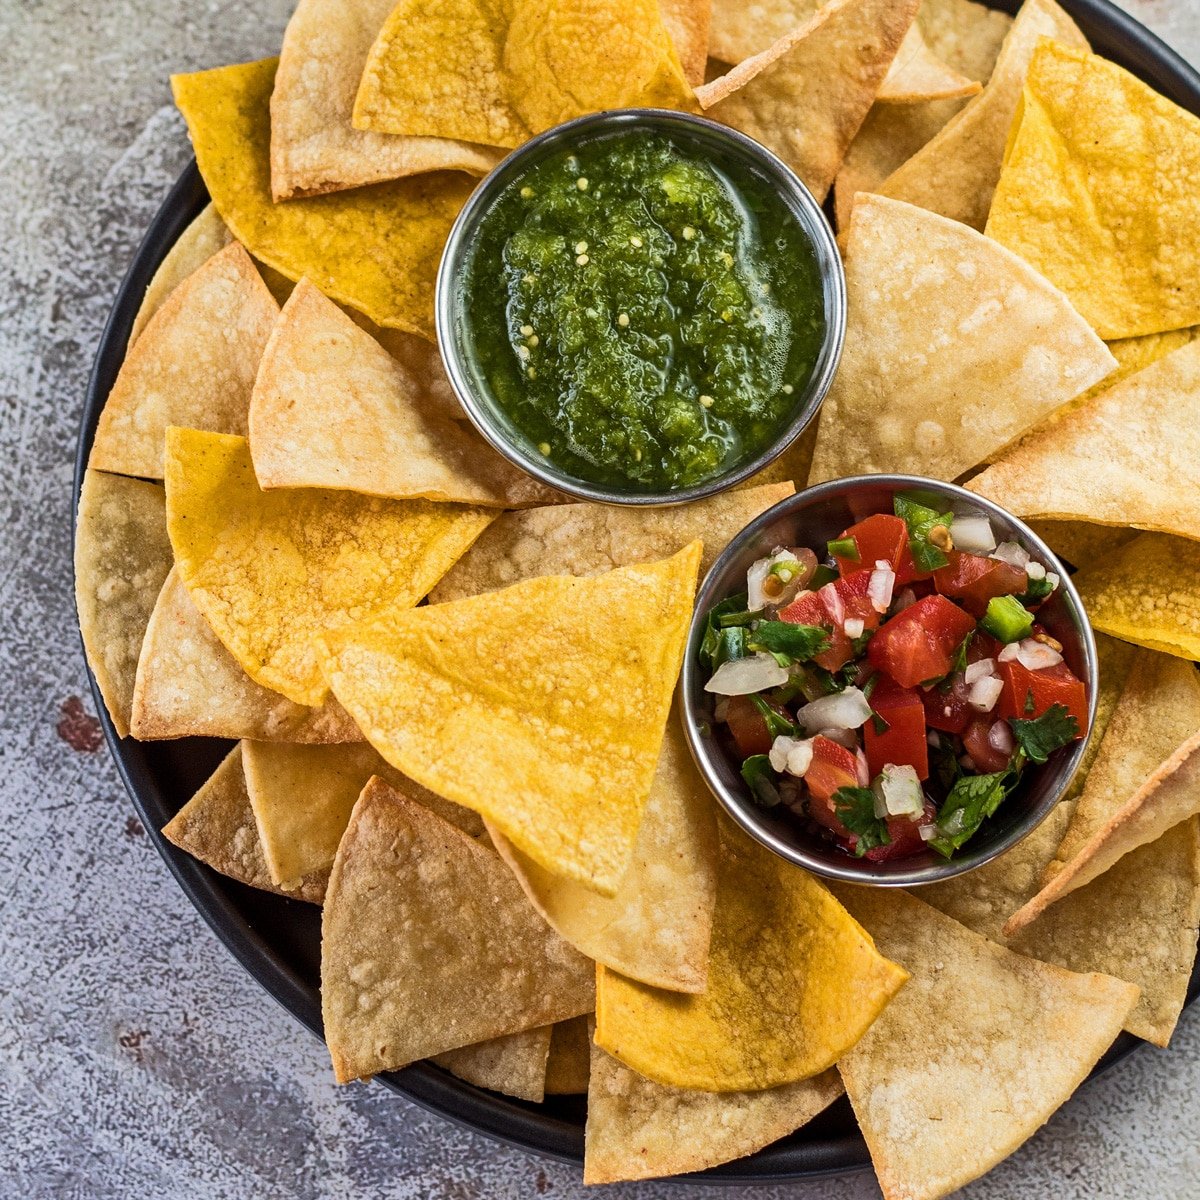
(136,1058)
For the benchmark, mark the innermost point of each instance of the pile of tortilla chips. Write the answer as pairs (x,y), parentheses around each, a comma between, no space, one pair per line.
(447,694)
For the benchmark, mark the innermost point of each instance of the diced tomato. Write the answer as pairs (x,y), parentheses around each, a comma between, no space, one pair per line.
(880,538)
(1029,693)
(820,608)
(748,726)
(983,754)
(918,644)
(832,767)
(905,836)
(974,580)
(948,710)
(903,743)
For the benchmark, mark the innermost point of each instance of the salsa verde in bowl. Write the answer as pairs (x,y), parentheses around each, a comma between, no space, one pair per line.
(641,307)
(888,680)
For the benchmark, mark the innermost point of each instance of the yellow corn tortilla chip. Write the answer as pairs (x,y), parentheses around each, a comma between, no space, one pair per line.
(1099,193)
(217,826)
(656,928)
(542,706)
(805,96)
(376,248)
(917,75)
(189,685)
(314,147)
(514,1065)
(589,539)
(428,943)
(1079,542)
(568,1067)
(956,173)
(1137,353)
(965,35)
(1147,592)
(122,556)
(954,347)
(194,365)
(1129,456)
(974,1055)
(496,73)
(331,408)
(688,22)
(637,1129)
(793,983)
(274,571)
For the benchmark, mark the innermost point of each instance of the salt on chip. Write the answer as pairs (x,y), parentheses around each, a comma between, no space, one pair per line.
(542,706)
(314,147)
(569,1064)
(974,1055)
(805,96)
(954,347)
(656,928)
(688,23)
(965,35)
(793,983)
(194,364)
(375,248)
(331,408)
(428,943)
(956,173)
(274,571)
(1079,542)
(514,1065)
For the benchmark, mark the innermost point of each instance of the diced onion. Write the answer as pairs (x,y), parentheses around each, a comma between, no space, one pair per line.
(1035,570)
(933,739)
(1000,738)
(844,737)
(979,670)
(1011,553)
(956,822)
(1036,656)
(902,794)
(791,755)
(854,627)
(834,605)
(745,676)
(721,709)
(984,693)
(928,832)
(974,535)
(861,769)
(1009,652)
(844,710)
(880,585)
(1052,579)
(756,577)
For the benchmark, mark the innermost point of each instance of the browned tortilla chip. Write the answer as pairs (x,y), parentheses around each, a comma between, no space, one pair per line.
(954,347)
(122,557)
(965,35)
(956,173)
(428,943)
(917,75)
(568,1067)
(1080,542)
(806,95)
(194,365)
(314,147)
(332,408)
(687,22)
(514,1065)
(974,1055)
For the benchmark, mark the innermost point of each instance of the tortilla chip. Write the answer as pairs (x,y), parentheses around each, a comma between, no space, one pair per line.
(656,928)
(1098,192)
(193,365)
(217,826)
(964,35)
(542,707)
(739,31)
(274,571)
(376,249)
(189,685)
(568,1067)
(807,94)
(514,1065)
(954,347)
(976,1053)
(428,944)
(589,539)
(314,147)
(495,74)
(793,983)
(1079,542)
(917,75)
(956,173)
(1147,592)
(687,23)
(1135,354)
(333,409)
(203,238)
(641,1130)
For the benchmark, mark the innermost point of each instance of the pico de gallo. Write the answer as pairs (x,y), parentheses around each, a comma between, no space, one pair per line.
(892,690)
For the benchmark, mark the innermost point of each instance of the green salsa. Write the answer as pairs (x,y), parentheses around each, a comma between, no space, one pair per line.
(647,316)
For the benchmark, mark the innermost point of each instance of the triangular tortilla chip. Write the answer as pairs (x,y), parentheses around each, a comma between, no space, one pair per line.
(637,1129)
(122,556)
(497,73)
(314,147)
(542,706)
(1135,354)
(956,173)
(194,365)
(687,22)
(740,30)
(806,95)
(793,983)
(569,1064)
(1147,592)
(514,1065)
(656,928)
(428,943)
(273,571)
(917,75)
(333,409)
(589,539)
(954,347)
(1080,542)
(376,249)
(965,35)
(976,1053)
(1099,193)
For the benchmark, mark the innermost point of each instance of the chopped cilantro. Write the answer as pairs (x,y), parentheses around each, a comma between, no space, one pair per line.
(855,807)
(778,724)
(960,655)
(1040,737)
(1037,590)
(797,642)
(921,521)
(971,800)
(730,644)
(713,628)
(760,779)
(727,620)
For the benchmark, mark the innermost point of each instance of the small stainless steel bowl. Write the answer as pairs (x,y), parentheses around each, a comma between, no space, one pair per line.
(811,518)
(452,317)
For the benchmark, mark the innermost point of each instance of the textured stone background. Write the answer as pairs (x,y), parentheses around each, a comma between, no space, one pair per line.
(136,1058)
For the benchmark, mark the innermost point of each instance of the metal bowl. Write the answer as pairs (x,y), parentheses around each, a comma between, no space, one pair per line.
(453,317)
(811,518)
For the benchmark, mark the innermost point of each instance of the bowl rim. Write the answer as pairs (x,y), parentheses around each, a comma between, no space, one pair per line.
(449,311)
(745,813)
